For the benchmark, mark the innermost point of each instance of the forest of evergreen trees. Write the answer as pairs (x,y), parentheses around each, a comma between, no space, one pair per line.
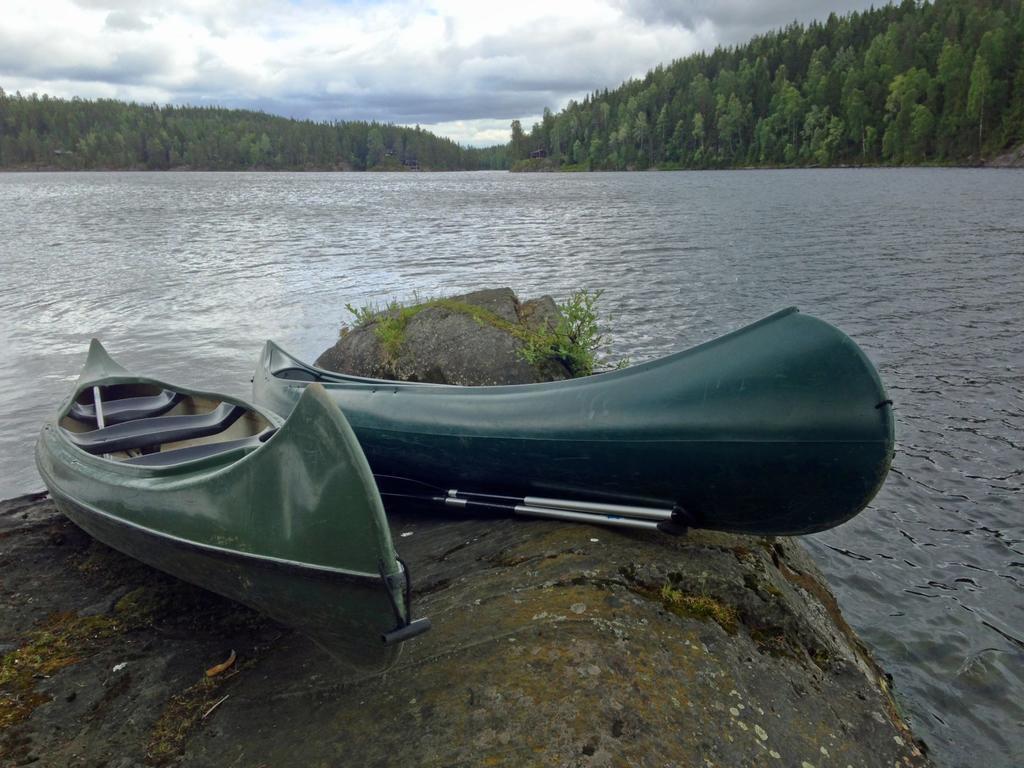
(938,82)
(918,82)
(42,132)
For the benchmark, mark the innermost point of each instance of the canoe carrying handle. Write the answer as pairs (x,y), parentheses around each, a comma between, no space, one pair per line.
(406,628)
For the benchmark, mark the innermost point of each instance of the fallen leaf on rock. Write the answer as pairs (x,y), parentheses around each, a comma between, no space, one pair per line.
(214,671)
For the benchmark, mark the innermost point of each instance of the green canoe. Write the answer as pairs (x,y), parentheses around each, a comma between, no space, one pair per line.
(280,514)
(782,427)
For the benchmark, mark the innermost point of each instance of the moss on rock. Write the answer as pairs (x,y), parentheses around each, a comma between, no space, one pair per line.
(61,640)
(700,607)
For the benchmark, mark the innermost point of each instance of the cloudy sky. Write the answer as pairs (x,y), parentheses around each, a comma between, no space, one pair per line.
(460,68)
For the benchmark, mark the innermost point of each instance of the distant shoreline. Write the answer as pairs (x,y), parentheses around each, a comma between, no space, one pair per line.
(189,169)
(988,165)
(1013,158)
(960,166)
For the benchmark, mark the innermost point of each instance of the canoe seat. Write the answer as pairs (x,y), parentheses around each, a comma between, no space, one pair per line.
(146,433)
(195,452)
(128,408)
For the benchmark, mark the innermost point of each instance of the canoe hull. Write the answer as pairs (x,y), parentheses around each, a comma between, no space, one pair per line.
(782,427)
(293,528)
(327,606)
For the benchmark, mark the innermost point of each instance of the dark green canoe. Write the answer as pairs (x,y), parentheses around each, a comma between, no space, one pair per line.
(781,427)
(280,514)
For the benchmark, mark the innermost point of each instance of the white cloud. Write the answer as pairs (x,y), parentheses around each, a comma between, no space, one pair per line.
(463,69)
(735,21)
(126,20)
(477,133)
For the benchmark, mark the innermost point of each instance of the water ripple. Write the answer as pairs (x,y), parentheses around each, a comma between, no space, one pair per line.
(184,275)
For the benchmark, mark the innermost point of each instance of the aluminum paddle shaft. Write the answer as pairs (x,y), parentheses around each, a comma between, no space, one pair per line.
(556,514)
(668,520)
(587,507)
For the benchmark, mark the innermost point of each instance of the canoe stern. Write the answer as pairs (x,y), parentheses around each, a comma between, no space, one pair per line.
(295,528)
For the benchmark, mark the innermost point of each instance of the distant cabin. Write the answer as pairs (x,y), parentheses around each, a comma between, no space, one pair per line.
(412,165)
(538,153)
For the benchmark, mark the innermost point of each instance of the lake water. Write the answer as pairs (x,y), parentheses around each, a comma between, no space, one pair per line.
(184,275)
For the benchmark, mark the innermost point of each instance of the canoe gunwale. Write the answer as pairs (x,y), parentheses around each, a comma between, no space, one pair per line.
(334,378)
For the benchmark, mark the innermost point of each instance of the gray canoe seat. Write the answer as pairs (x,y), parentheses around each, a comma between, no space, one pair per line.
(195,452)
(147,433)
(128,408)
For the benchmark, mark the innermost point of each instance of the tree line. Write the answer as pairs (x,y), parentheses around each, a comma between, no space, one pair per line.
(918,82)
(78,134)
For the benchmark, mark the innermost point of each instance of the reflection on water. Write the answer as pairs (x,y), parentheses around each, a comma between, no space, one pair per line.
(184,275)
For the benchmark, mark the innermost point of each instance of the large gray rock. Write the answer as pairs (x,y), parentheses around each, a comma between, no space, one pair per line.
(447,346)
(553,644)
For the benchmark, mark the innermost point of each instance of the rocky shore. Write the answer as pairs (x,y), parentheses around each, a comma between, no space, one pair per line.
(554,644)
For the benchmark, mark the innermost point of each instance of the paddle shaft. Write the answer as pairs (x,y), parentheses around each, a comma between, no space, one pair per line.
(532,511)
(674,520)
(589,507)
